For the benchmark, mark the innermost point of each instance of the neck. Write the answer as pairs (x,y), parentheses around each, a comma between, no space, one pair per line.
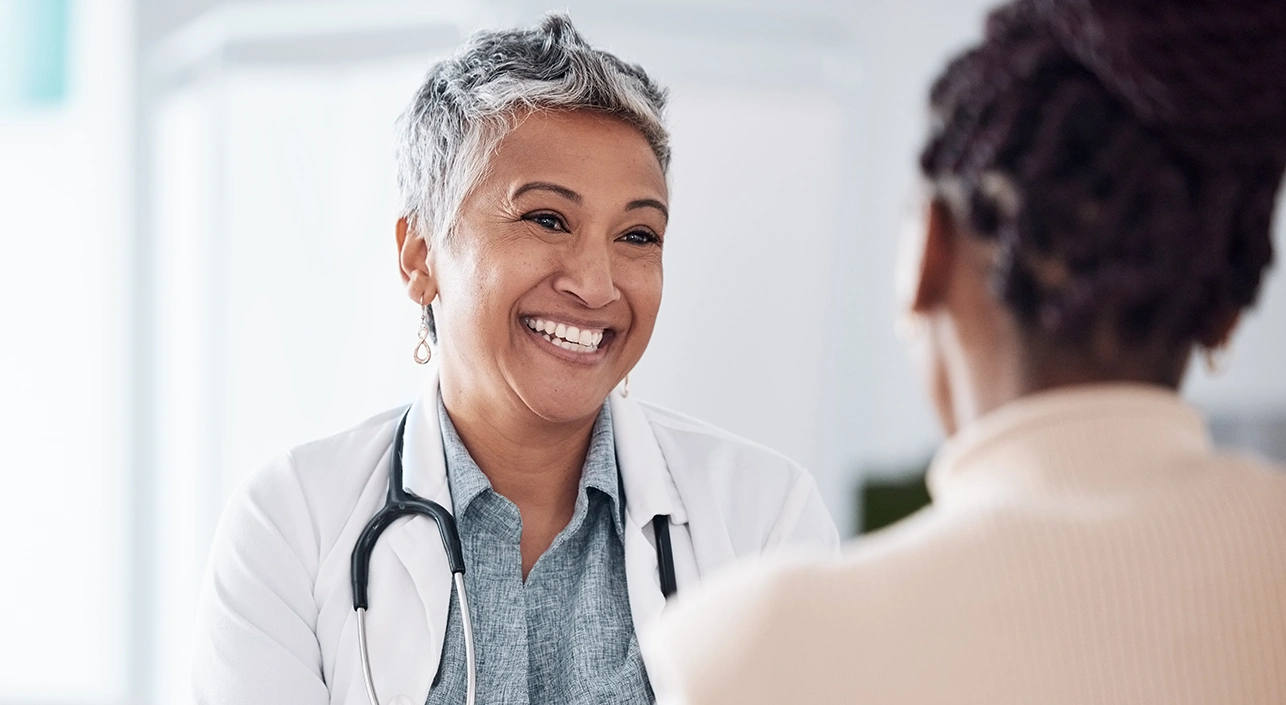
(532,462)
(526,458)
(1049,365)
(1035,369)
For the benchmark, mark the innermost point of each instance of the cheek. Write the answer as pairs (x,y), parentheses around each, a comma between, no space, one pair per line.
(641,284)
(479,289)
(926,351)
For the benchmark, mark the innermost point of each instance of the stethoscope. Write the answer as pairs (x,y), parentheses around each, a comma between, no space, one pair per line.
(399,503)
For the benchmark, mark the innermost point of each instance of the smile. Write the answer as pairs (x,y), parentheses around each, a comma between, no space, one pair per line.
(567,337)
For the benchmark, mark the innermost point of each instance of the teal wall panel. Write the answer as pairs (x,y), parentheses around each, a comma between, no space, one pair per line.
(33,52)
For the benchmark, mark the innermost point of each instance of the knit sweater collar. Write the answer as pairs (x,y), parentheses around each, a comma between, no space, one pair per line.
(1084,440)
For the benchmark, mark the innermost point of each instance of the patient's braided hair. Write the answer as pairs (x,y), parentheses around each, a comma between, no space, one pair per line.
(1124,155)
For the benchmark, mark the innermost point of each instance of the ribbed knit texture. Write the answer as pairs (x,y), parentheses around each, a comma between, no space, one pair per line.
(1084,547)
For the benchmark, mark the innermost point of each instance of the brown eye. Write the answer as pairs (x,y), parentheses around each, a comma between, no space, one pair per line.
(548,221)
(641,237)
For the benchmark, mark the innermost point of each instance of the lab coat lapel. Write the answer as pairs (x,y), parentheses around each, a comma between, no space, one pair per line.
(418,546)
(649,491)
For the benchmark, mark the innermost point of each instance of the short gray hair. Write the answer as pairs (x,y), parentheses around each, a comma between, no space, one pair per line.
(469,102)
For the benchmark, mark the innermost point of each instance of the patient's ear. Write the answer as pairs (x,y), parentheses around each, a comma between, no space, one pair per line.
(934,275)
(1219,334)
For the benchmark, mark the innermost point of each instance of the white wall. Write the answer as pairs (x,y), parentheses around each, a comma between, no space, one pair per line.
(64,271)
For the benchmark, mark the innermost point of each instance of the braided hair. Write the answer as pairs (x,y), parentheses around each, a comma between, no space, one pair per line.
(1124,157)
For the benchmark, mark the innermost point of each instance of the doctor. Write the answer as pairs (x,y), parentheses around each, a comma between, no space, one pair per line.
(533,176)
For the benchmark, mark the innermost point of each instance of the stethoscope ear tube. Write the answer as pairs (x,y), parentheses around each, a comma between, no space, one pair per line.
(471,663)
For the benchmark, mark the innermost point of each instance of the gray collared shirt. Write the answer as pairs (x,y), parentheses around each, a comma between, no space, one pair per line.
(566,635)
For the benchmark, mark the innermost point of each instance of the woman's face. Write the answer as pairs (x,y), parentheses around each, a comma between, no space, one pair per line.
(548,289)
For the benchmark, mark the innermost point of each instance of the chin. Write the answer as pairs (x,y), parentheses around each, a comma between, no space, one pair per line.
(561,404)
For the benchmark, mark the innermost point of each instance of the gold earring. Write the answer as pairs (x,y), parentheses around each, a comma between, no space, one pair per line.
(1216,360)
(423,353)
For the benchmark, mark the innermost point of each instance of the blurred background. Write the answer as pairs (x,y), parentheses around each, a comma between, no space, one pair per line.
(196,210)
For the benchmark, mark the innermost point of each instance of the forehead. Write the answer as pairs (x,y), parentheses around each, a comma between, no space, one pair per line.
(582,150)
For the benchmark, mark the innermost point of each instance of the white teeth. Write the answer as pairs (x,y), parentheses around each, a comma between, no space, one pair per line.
(566,337)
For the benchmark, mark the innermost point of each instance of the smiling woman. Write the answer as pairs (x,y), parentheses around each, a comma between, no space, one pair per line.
(565,229)
(533,175)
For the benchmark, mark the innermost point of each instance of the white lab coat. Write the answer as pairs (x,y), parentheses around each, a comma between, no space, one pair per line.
(276,621)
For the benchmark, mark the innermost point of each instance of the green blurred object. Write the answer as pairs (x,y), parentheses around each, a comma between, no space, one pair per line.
(33,53)
(885,501)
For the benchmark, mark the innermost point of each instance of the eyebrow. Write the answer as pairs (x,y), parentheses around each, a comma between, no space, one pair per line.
(649,203)
(577,198)
(546,186)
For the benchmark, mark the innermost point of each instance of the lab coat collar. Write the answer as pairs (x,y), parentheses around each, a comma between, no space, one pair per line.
(649,491)
(424,470)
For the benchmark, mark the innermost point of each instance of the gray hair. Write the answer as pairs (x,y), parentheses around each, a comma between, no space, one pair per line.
(469,102)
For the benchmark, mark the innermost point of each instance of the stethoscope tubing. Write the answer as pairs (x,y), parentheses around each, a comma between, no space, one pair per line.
(466,620)
(399,503)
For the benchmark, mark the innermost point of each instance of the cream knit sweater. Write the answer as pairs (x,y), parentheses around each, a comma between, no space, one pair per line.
(1083,547)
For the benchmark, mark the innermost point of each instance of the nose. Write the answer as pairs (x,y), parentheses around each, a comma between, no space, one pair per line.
(587,274)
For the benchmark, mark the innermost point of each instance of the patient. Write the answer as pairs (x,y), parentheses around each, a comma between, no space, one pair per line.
(1101,177)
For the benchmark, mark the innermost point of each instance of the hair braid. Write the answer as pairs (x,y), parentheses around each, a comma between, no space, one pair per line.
(1124,156)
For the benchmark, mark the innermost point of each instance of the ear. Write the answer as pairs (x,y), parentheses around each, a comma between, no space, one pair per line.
(413,263)
(934,275)
(1221,333)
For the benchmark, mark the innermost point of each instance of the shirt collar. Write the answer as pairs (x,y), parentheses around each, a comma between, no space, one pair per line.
(1090,439)
(599,472)
(464,477)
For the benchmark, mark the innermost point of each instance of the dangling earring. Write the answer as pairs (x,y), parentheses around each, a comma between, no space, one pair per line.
(625,390)
(423,353)
(1216,360)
